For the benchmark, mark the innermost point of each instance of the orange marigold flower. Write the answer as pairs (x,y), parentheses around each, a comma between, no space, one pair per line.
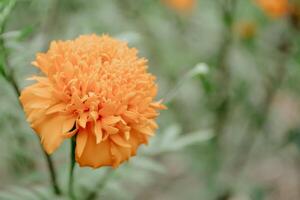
(98,90)
(274,8)
(181,5)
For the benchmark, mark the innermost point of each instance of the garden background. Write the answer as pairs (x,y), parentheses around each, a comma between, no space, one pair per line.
(228,71)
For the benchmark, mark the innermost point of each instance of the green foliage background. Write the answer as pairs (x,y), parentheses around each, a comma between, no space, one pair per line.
(232,128)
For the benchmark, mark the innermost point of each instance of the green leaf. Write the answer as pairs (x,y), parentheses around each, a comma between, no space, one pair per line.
(192,139)
(148,164)
(199,70)
(170,134)
(172,140)
(25,33)
(6,8)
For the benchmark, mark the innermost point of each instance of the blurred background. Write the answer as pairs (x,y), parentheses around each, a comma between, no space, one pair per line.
(228,70)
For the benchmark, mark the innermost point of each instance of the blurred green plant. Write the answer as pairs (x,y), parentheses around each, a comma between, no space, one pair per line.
(7,72)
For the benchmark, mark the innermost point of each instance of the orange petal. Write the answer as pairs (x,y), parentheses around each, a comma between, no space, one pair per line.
(150,114)
(35,116)
(142,138)
(41,91)
(116,138)
(110,130)
(36,103)
(130,116)
(121,109)
(95,155)
(111,120)
(152,124)
(50,131)
(158,105)
(40,79)
(145,130)
(81,140)
(116,156)
(134,142)
(127,135)
(94,115)
(119,154)
(98,131)
(43,62)
(107,110)
(56,108)
(71,133)
(29,99)
(83,119)
(68,124)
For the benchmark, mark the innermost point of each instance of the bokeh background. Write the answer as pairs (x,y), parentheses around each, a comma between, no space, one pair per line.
(228,70)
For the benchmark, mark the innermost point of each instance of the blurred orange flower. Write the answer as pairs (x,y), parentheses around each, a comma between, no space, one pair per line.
(246,29)
(274,8)
(181,5)
(98,90)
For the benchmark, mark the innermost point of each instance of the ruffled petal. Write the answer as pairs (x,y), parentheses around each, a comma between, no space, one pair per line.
(98,131)
(34,105)
(117,139)
(95,155)
(50,130)
(68,124)
(135,140)
(119,154)
(81,140)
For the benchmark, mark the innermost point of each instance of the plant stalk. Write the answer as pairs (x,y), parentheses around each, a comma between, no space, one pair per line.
(51,168)
(223,74)
(72,166)
(221,99)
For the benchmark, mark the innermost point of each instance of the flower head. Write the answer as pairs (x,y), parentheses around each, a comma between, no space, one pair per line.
(274,8)
(183,6)
(97,90)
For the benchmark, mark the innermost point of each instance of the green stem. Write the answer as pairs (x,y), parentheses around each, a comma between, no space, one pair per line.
(223,74)
(72,166)
(221,99)
(51,168)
